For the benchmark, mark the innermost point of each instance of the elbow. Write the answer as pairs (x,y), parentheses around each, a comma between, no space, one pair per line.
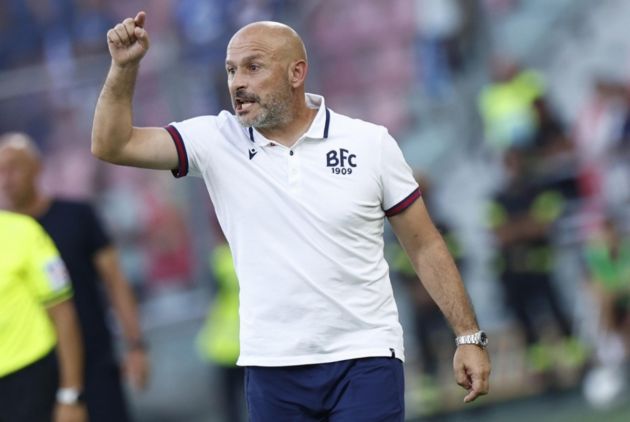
(100,153)
(97,150)
(100,150)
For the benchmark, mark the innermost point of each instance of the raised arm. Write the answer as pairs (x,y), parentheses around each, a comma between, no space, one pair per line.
(114,138)
(437,271)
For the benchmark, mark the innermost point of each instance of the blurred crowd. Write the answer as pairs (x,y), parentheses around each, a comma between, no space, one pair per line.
(555,213)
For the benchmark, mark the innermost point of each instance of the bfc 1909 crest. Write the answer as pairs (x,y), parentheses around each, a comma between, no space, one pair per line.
(341,162)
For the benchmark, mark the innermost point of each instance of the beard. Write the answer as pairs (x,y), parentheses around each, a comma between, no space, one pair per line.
(275,109)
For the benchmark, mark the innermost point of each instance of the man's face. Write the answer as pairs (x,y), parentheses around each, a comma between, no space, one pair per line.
(18,172)
(258,83)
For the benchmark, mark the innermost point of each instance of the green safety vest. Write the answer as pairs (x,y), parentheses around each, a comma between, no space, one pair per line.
(218,340)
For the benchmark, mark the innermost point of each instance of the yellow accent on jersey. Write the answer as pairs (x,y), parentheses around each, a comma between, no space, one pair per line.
(32,277)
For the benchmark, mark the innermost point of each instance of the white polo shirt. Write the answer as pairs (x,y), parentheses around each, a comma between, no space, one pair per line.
(305,225)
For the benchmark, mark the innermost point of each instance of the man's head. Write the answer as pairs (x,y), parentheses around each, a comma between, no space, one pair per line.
(20,166)
(266,67)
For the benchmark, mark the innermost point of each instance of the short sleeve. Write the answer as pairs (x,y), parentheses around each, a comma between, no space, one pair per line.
(46,273)
(400,188)
(192,139)
(97,237)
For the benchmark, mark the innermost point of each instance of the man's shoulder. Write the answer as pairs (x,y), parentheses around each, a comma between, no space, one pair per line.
(15,222)
(343,125)
(18,229)
(223,120)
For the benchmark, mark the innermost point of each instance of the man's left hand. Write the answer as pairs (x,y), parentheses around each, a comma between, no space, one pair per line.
(471,365)
(136,368)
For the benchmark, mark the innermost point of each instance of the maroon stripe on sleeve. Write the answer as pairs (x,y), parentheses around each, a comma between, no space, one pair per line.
(182,169)
(404,204)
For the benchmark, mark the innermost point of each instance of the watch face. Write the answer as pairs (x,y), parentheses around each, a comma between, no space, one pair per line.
(484,338)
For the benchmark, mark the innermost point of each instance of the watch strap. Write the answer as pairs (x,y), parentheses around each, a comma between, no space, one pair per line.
(479,339)
(69,396)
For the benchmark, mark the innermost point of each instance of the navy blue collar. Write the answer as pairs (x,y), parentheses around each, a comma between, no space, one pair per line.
(325,134)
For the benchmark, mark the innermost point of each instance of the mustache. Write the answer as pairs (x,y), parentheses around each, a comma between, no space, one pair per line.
(246,96)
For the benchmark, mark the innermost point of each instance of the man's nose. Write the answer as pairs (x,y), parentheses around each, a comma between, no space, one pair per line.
(238,81)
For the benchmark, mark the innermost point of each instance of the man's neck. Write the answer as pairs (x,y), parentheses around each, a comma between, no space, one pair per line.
(289,134)
(36,207)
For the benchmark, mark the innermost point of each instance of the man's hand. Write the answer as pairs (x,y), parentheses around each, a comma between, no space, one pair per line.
(471,366)
(128,41)
(136,368)
(70,413)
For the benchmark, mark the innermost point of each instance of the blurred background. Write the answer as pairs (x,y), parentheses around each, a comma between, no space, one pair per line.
(515,114)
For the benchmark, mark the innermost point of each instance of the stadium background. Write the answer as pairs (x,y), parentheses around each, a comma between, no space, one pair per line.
(417,67)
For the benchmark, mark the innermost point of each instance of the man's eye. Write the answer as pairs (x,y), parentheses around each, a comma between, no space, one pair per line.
(230,70)
(254,67)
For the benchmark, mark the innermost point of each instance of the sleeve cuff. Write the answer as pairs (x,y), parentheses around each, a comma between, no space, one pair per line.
(404,204)
(182,169)
(57,298)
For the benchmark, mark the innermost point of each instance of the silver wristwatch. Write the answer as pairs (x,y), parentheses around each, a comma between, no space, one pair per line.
(479,338)
(70,396)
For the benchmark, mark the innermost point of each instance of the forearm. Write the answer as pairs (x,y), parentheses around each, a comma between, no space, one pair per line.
(120,294)
(126,310)
(437,271)
(69,345)
(112,127)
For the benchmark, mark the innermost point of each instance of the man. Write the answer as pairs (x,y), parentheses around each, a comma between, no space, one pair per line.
(301,194)
(36,313)
(89,256)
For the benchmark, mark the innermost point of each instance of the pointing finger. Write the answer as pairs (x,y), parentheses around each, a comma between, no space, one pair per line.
(140,19)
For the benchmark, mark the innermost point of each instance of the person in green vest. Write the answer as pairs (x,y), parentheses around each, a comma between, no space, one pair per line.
(607,259)
(506,105)
(218,340)
(41,357)
(521,217)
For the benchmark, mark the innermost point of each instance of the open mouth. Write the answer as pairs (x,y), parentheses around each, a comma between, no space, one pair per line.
(243,105)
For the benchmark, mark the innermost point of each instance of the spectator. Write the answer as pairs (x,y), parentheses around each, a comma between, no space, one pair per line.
(218,340)
(506,105)
(522,215)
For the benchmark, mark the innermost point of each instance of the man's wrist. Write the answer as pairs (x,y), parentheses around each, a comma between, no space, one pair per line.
(132,66)
(70,396)
(137,345)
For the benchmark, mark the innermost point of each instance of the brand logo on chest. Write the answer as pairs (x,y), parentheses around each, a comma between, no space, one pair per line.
(341,161)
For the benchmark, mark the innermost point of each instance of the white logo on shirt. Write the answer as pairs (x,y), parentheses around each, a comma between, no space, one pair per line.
(57,274)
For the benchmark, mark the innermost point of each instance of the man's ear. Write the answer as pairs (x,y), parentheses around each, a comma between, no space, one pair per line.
(297,73)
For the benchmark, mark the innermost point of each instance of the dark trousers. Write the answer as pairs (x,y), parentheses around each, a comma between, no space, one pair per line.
(28,395)
(230,391)
(366,390)
(104,395)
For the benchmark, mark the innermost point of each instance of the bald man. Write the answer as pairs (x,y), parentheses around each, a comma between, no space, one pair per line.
(301,193)
(90,256)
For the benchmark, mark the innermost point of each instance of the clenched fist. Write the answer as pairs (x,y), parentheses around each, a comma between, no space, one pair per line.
(128,41)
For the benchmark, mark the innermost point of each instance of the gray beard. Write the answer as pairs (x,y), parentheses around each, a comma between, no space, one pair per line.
(276,112)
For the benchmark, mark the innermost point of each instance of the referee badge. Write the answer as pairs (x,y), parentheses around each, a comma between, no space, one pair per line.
(57,274)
